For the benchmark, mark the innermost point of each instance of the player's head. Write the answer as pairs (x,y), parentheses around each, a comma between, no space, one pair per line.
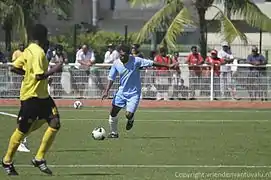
(39,33)
(124,52)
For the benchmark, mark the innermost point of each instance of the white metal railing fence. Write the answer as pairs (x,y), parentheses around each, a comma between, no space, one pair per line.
(206,84)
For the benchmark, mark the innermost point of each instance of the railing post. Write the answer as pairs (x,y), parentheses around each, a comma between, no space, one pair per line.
(212,84)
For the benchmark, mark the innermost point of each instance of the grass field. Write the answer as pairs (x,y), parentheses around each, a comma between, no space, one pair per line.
(165,144)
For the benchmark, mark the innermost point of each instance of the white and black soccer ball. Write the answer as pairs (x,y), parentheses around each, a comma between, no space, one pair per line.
(98,133)
(77,104)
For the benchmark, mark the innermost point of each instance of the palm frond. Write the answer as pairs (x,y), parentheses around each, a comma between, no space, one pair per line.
(142,2)
(251,13)
(230,32)
(177,27)
(158,18)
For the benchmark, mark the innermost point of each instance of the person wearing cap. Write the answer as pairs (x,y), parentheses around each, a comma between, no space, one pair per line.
(111,54)
(226,87)
(256,78)
(194,61)
(216,63)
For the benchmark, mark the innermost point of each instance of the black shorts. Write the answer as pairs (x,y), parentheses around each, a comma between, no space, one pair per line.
(35,109)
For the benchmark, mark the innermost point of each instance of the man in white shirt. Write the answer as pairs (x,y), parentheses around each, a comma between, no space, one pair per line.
(226,74)
(84,59)
(111,54)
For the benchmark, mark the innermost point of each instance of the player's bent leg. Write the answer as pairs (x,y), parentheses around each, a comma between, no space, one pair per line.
(23,147)
(18,135)
(131,108)
(50,113)
(113,122)
(130,120)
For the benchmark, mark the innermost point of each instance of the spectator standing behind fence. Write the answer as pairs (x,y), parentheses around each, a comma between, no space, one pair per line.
(59,56)
(216,63)
(18,52)
(163,75)
(84,59)
(226,74)
(194,61)
(111,54)
(257,80)
(15,79)
(135,51)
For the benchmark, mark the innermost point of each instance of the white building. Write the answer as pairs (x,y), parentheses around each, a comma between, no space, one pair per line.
(113,15)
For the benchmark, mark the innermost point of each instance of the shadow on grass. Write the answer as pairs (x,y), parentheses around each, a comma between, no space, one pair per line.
(150,137)
(78,150)
(94,174)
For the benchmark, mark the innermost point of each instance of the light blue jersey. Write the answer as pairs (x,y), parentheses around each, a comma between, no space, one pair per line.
(130,82)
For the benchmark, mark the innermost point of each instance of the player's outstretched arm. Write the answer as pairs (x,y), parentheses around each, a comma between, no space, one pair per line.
(111,78)
(173,65)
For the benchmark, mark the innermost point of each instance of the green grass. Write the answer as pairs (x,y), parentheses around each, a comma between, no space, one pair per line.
(169,142)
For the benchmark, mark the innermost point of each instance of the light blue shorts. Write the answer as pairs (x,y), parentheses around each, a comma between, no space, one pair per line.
(131,103)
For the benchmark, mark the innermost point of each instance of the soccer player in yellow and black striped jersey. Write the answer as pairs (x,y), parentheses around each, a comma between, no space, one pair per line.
(36,104)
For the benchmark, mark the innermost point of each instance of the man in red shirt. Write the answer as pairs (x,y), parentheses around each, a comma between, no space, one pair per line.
(163,75)
(215,62)
(194,61)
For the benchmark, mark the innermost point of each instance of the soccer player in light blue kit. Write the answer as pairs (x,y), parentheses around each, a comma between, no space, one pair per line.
(128,94)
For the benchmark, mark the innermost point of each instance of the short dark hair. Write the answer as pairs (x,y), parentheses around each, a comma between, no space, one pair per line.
(39,32)
(136,46)
(162,49)
(194,47)
(125,48)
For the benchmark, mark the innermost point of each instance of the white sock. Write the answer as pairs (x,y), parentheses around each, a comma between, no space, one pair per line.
(113,124)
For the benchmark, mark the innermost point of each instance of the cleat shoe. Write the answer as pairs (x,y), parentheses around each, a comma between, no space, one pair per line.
(9,168)
(130,124)
(23,148)
(42,166)
(113,135)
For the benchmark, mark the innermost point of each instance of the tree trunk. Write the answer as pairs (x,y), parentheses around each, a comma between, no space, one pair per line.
(227,12)
(8,33)
(203,32)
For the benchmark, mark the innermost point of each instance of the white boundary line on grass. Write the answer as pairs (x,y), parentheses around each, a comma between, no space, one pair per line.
(148,166)
(151,120)
(157,111)
(174,120)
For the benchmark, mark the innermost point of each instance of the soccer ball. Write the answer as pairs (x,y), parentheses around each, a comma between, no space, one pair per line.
(77,104)
(98,133)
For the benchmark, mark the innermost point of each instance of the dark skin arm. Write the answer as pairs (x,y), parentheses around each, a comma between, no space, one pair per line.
(53,70)
(108,87)
(174,65)
(17,70)
(39,77)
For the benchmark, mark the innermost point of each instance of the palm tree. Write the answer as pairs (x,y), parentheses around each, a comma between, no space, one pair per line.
(19,15)
(178,15)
